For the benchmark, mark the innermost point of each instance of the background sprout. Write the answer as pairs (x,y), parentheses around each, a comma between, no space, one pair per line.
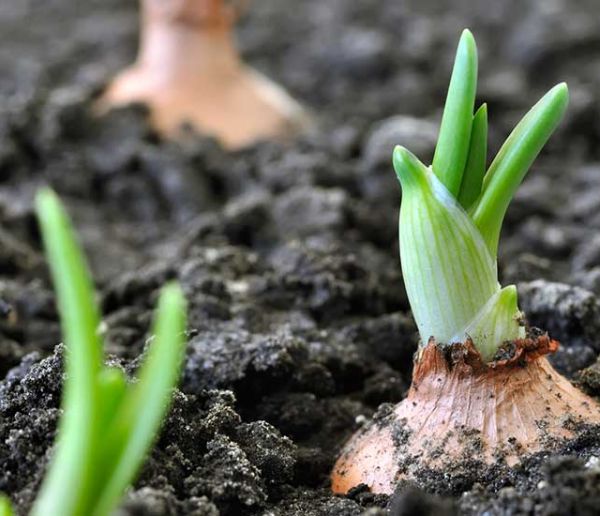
(466,402)
(452,213)
(108,425)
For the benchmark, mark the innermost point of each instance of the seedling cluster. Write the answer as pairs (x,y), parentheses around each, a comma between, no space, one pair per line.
(452,213)
(108,424)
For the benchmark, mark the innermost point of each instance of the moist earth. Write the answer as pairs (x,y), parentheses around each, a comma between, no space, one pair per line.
(299,327)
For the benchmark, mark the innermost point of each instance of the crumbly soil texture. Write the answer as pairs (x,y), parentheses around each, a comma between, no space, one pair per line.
(299,327)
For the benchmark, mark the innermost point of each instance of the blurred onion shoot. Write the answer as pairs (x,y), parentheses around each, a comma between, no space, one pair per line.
(108,424)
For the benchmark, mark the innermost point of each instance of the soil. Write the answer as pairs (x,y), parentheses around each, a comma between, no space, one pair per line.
(299,327)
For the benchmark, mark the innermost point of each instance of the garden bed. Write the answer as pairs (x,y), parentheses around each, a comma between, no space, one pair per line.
(299,326)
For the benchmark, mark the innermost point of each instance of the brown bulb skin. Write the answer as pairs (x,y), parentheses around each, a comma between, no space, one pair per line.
(458,408)
(188,71)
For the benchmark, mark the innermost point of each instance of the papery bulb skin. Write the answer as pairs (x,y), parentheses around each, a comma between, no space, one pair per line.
(460,408)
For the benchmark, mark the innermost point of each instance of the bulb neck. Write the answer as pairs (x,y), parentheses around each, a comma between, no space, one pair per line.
(184,42)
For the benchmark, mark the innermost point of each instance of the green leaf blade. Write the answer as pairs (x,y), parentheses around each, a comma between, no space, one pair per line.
(472,182)
(496,323)
(112,387)
(454,139)
(76,442)
(136,423)
(513,161)
(448,271)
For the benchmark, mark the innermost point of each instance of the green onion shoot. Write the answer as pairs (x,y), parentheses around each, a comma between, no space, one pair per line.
(452,213)
(108,424)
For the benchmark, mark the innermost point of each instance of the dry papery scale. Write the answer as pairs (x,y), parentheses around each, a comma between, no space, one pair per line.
(188,70)
(482,389)
(459,408)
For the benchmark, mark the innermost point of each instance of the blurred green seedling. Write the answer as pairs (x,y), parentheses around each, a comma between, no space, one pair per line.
(108,424)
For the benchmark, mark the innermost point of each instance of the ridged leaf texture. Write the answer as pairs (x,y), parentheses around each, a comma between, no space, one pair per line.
(449,273)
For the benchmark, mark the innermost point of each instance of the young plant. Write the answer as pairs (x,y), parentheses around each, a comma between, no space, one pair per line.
(188,70)
(108,425)
(452,213)
(476,372)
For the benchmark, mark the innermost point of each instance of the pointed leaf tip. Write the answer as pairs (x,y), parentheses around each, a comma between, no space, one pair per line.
(467,37)
(558,98)
(496,322)
(514,159)
(561,91)
(46,199)
(409,170)
(508,296)
(452,148)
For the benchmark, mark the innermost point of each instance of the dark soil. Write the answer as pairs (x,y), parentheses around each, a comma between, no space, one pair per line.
(299,324)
